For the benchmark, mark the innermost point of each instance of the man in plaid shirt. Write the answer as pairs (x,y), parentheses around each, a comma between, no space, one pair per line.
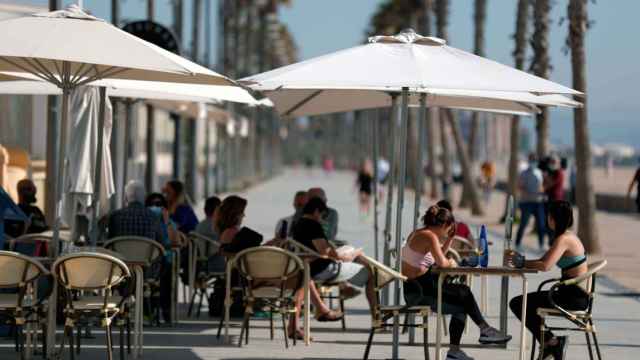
(135,219)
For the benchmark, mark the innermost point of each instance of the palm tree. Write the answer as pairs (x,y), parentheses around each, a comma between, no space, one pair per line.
(519,54)
(447,116)
(578,24)
(442,12)
(541,67)
(479,17)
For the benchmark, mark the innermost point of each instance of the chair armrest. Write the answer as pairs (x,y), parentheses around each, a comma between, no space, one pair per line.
(548,281)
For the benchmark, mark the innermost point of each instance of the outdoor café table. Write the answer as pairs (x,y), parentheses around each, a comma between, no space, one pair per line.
(488,271)
(137,268)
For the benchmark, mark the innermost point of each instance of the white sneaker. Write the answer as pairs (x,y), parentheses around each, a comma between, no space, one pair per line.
(457,355)
(493,336)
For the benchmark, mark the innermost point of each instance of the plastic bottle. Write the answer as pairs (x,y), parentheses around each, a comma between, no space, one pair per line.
(484,247)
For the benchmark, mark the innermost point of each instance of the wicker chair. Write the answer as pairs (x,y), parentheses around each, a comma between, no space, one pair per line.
(22,273)
(31,245)
(384,276)
(272,275)
(583,320)
(106,272)
(203,276)
(148,252)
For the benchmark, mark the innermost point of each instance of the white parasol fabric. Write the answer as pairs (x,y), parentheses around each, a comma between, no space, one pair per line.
(390,63)
(92,49)
(306,102)
(81,154)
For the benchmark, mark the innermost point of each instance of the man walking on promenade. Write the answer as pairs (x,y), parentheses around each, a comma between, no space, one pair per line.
(531,201)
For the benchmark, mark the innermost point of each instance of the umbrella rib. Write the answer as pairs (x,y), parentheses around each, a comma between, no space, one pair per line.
(303,102)
(42,67)
(27,70)
(79,73)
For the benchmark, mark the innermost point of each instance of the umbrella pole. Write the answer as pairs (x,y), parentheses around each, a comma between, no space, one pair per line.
(422,119)
(400,204)
(374,145)
(127,142)
(390,179)
(97,182)
(64,120)
(207,158)
(419,182)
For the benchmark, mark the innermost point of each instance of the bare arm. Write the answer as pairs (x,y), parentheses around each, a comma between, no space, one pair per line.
(438,250)
(546,262)
(325,249)
(633,182)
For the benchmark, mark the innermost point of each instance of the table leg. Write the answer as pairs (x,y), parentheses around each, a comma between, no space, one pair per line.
(523,333)
(307,307)
(51,322)
(439,317)
(504,300)
(484,294)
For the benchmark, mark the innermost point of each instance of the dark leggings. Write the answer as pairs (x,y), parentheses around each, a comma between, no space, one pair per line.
(457,300)
(568,297)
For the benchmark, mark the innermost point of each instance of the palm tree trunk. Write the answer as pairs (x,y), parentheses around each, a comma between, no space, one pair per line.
(480,16)
(463,157)
(519,54)
(541,67)
(442,13)
(587,230)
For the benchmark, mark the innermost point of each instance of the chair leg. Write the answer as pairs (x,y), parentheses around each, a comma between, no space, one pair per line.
(220,325)
(445,328)
(405,323)
(343,320)
(271,326)
(533,348)
(121,326)
(542,340)
(44,341)
(366,350)
(245,327)
(128,326)
(78,336)
(284,327)
(71,343)
(425,336)
(109,342)
(203,294)
(586,335)
(595,341)
(192,302)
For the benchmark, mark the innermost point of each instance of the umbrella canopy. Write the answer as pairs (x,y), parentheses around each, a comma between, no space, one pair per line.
(71,47)
(390,63)
(152,90)
(305,102)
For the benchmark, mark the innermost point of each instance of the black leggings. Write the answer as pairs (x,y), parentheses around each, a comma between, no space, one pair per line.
(568,297)
(457,300)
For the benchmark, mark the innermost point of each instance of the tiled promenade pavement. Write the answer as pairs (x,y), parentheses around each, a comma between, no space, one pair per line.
(617,317)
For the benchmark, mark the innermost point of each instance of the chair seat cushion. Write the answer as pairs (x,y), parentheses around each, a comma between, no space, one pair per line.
(96,303)
(556,312)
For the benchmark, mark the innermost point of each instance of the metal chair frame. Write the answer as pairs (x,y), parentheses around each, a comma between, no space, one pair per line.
(19,315)
(582,320)
(106,313)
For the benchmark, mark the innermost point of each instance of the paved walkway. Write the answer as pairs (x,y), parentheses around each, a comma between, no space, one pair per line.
(617,317)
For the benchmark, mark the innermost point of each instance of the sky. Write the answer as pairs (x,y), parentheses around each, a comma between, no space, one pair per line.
(613,50)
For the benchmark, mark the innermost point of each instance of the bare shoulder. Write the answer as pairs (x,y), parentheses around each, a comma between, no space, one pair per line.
(571,242)
(423,238)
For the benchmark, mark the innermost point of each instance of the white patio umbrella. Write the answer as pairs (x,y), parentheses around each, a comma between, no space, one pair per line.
(402,64)
(70,48)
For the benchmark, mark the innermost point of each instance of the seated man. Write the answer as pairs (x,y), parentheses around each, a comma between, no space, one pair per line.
(334,266)
(285,225)
(207,227)
(26,198)
(329,221)
(135,219)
